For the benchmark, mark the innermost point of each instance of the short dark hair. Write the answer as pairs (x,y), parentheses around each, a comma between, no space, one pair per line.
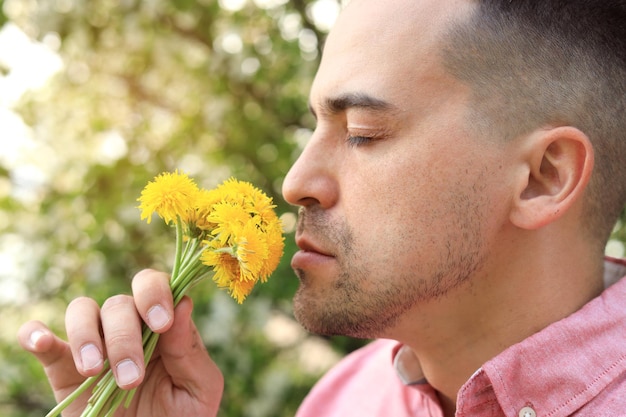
(538,63)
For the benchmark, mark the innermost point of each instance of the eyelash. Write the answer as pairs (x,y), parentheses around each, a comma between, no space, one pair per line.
(359,140)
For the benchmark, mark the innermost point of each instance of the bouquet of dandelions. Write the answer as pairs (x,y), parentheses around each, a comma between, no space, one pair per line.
(230,233)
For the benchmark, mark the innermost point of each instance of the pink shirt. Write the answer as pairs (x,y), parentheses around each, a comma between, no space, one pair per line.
(574,367)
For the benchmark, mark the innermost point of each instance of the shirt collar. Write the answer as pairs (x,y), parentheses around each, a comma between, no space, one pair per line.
(570,332)
(563,367)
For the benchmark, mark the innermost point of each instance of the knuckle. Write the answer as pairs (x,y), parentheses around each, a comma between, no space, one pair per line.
(120,321)
(116,302)
(119,340)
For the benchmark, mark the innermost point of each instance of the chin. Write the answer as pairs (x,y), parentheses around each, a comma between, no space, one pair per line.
(324,320)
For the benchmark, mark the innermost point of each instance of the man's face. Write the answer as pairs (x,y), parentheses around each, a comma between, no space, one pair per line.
(397,196)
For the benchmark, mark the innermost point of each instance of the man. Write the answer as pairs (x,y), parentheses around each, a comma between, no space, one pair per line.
(455,197)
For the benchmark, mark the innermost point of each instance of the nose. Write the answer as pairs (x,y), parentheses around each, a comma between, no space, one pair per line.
(313,177)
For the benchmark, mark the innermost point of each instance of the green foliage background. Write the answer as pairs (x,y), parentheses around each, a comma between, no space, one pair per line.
(184,84)
(187,85)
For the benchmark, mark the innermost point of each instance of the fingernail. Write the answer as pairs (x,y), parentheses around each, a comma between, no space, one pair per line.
(127,372)
(34,338)
(90,356)
(157,317)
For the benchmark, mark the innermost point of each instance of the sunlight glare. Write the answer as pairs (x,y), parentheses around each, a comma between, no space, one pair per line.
(30,64)
(232,5)
(324,13)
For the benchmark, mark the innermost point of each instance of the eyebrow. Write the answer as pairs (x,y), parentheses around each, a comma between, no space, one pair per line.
(342,102)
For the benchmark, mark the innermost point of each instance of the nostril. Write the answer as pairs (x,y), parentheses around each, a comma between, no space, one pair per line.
(318,189)
(307,201)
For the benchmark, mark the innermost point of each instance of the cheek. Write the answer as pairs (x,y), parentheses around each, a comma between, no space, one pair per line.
(390,211)
(413,214)
(387,190)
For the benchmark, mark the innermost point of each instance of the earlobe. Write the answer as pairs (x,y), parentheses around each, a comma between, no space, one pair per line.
(558,162)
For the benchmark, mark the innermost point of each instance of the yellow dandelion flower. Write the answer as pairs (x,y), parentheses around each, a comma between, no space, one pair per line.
(198,221)
(227,218)
(252,251)
(243,193)
(275,244)
(236,191)
(170,195)
(261,204)
(227,274)
(239,290)
(225,266)
(229,192)
(239,264)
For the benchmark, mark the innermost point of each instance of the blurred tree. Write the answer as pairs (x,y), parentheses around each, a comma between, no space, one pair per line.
(215,89)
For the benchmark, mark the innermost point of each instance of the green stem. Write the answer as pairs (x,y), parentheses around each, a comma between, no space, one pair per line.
(190,248)
(75,394)
(99,398)
(179,246)
(189,265)
(192,273)
(116,403)
(103,397)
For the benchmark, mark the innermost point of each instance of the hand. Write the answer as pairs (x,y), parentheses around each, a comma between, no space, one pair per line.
(180,380)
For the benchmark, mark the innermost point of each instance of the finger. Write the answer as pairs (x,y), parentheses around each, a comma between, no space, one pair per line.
(186,360)
(121,326)
(153,298)
(54,354)
(82,324)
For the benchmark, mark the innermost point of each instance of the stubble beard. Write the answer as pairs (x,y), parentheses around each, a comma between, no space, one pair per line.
(363,303)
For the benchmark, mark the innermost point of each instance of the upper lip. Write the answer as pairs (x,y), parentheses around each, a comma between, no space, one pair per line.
(307,245)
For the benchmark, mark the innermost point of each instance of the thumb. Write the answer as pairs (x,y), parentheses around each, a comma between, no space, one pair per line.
(186,359)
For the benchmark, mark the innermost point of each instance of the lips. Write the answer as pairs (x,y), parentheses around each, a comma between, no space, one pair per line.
(310,255)
(307,246)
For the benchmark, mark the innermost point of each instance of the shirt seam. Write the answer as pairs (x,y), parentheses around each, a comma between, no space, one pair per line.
(563,405)
(591,385)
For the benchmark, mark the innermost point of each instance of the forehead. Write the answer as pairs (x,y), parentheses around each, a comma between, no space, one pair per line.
(383,46)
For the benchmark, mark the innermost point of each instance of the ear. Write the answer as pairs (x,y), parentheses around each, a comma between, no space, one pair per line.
(557,164)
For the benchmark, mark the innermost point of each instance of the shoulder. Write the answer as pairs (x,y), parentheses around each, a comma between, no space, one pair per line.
(364,383)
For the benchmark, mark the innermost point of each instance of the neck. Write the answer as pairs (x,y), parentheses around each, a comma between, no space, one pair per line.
(453,336)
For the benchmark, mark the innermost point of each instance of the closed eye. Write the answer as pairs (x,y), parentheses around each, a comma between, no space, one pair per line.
(358,140)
